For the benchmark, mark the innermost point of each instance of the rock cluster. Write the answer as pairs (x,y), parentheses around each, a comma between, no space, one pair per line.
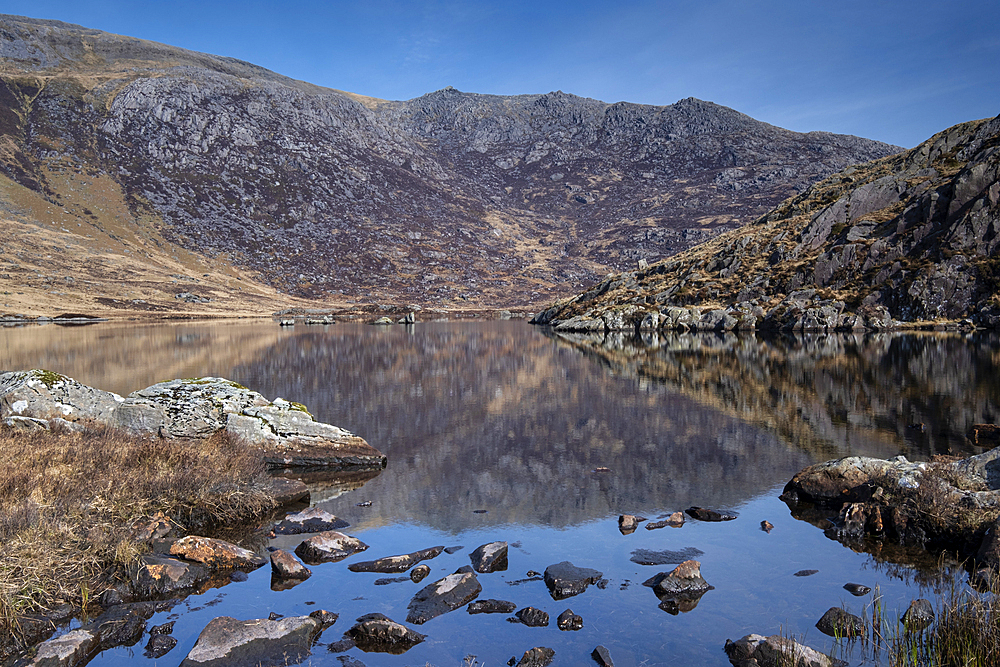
(195,408)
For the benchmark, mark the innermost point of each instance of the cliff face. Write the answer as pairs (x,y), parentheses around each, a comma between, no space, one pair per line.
(908,238)
(319,192)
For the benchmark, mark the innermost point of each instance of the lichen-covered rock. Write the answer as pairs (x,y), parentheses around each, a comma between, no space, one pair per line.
(66,650)
(44,395)
(328,546)
(215,553)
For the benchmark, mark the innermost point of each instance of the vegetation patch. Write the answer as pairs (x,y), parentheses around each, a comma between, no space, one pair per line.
(69,501)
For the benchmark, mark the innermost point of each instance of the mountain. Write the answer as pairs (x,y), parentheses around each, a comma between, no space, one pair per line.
(908,238)
(211,165)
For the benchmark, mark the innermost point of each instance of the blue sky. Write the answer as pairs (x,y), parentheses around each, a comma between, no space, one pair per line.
(897,71)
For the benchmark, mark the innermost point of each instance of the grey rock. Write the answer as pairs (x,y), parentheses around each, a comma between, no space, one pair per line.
(442,596)
(44,395)
(837,622)
(918,615)
(328,546)
(566,580)
(263,642)
(391,564)
(491,557)
(375,633)
(158,646)
(284,565)
(602,657)
(310,520)
(67,650)
(775,651)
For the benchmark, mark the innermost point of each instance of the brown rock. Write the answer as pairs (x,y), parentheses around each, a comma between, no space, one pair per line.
(217,554)
(284,565)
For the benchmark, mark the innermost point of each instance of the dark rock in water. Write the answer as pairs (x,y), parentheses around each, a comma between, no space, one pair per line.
(857,590)
(419,573)
(480,511)
(158,646)
(680,589)
(532,573)
(325,618)
(392,564)
(375,633)
(492,606)
(627,523)
(341,645)
(311,520)
(284,565)
(385,581)
(675,520)
(648,557)
(110,598)
(537,657)
(703,514)
(465,569)
(775,650)
(274,616)
(122,625)
(566,580)
(162,629)
(989,550)
(532,617)
(265,642)
(443,596)
(569,621)
(348,661)
(328,546)
(805,573)
(490,557)
(518,582)
(237,576)
(451,550)
(919,615)
(766,526)
(602,657)
(837,622)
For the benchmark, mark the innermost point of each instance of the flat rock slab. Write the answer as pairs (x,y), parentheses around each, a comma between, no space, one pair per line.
(649,557)
(227,642)
(65,650)
(375,633)
(395,564)
(217,554)
(490,557)
(159,576)
(492,606)
(566,580)
(327,547)
(443,596)
(703,514)
(311,520)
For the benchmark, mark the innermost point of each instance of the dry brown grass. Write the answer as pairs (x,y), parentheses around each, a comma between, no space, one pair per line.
(68,502)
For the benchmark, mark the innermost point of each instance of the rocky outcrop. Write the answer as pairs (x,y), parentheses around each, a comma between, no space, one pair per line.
(195,408)
(284,177)
(908,238)
(264,642)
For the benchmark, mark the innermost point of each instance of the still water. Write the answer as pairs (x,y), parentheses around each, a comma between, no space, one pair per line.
(503,418)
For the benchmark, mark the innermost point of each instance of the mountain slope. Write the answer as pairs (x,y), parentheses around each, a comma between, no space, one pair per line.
(324,194)
(908,238)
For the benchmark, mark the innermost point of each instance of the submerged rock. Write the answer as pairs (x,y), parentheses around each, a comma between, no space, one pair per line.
(649,557)
(490,557)
(263,642)
(328,546)
(443,596)
(158,646)
(375,633)
(393,564)
(566,580)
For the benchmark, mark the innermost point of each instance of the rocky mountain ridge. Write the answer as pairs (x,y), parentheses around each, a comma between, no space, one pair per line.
(910,238)
(322,194)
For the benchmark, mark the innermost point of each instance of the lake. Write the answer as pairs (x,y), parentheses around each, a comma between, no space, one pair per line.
(500,431)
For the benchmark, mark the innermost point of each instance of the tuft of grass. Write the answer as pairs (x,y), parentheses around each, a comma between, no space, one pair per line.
(69,501)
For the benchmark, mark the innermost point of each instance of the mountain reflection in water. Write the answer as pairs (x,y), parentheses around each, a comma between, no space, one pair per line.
(497,416)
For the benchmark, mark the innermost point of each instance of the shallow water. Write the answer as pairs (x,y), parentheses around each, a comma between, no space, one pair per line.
(500,417)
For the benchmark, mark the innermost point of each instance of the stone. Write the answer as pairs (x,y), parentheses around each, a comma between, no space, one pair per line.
(492,606)
(442,596)
(918,615)
(675,520)
(805,573)
(375,633)
(649,557)
(284,565)
(383,321)
(122,625)
(287,491)
(849,479)
(158,646)
(159,576)
(775,651)
(539,656)
(532,617)
(837,622)
(262,642)
(328,546)
(490,557)
(766,526)
(393,564)
(627,523)
(65,650)
(214,553)
(602,657)
(325,618)
(703,514)
(42,395)
(569,621)
(857,590)
(989,549)
(419,573)
(310,520)
(566,580)
(685,578)
(156,527)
